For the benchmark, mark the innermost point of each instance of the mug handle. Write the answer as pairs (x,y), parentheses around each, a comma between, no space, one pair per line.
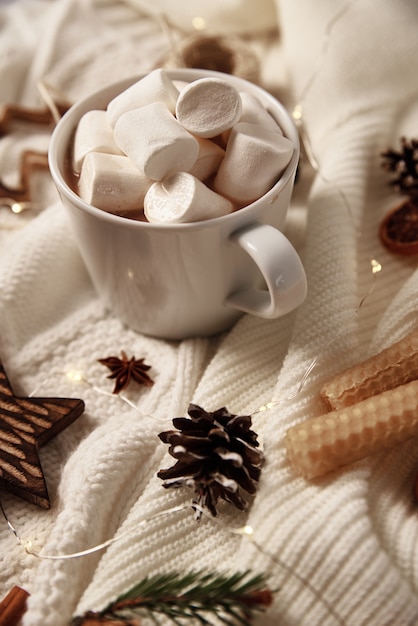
(281,268)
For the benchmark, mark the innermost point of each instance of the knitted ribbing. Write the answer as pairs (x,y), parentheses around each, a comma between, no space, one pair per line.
(352,534)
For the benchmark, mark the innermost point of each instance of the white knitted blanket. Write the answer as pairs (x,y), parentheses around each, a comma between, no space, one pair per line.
(340,550)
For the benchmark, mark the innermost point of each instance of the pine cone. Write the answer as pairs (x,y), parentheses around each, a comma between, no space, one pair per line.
(216,456)
(405,166)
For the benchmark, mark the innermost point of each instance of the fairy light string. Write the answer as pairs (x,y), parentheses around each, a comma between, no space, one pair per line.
(246,532)
(76,376)
(298,118)
(29,548)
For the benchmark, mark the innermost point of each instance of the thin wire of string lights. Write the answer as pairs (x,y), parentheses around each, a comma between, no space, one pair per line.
(300,106)
(298,115)
(246,532)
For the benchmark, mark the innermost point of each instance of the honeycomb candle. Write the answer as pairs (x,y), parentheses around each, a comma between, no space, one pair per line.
(393,366)
(167,153)
(340,437)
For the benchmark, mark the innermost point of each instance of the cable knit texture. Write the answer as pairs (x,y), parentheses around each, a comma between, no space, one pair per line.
(342,549)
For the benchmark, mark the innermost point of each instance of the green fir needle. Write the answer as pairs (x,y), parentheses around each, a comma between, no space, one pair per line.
(196,596)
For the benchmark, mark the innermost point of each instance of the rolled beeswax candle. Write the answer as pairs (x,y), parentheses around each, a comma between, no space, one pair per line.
(340,437)
(394,366)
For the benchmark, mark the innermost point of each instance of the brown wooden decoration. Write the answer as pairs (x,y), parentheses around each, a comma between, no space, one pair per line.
(26,424)
(10,113)
(31,160)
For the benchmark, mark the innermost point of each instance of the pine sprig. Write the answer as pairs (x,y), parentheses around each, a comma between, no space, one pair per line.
(233,600)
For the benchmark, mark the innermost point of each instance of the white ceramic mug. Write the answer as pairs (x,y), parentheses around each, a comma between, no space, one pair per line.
(192,279)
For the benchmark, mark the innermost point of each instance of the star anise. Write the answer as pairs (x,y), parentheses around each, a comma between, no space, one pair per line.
(125,370)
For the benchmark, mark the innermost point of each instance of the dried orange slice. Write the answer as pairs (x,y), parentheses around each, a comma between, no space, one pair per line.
(399,230)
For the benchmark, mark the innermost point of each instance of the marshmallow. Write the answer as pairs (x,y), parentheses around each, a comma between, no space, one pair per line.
(93,134)
(208,106)
(253,111)
(181,198)
(254,159)
(154,87)
(155,141)
(208,160)
(112,183)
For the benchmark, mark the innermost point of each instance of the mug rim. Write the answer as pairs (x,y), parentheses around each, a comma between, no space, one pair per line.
(57,152)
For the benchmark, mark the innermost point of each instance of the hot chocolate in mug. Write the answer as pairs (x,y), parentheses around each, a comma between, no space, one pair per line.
(188,279)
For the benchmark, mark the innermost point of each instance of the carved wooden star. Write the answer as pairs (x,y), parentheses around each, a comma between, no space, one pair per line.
(26,424)
(31,161)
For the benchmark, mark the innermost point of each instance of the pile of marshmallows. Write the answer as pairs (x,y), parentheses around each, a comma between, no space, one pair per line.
(182,152)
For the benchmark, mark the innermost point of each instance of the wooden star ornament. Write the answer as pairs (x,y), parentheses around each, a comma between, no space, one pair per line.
(26,424)
(31,160)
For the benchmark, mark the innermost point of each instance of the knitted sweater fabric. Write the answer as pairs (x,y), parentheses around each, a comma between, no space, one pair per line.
(340,549)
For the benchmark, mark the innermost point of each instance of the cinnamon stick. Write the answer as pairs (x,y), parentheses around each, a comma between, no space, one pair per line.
(13,607)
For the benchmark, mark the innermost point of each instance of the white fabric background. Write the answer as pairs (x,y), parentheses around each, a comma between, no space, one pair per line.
(352,535)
